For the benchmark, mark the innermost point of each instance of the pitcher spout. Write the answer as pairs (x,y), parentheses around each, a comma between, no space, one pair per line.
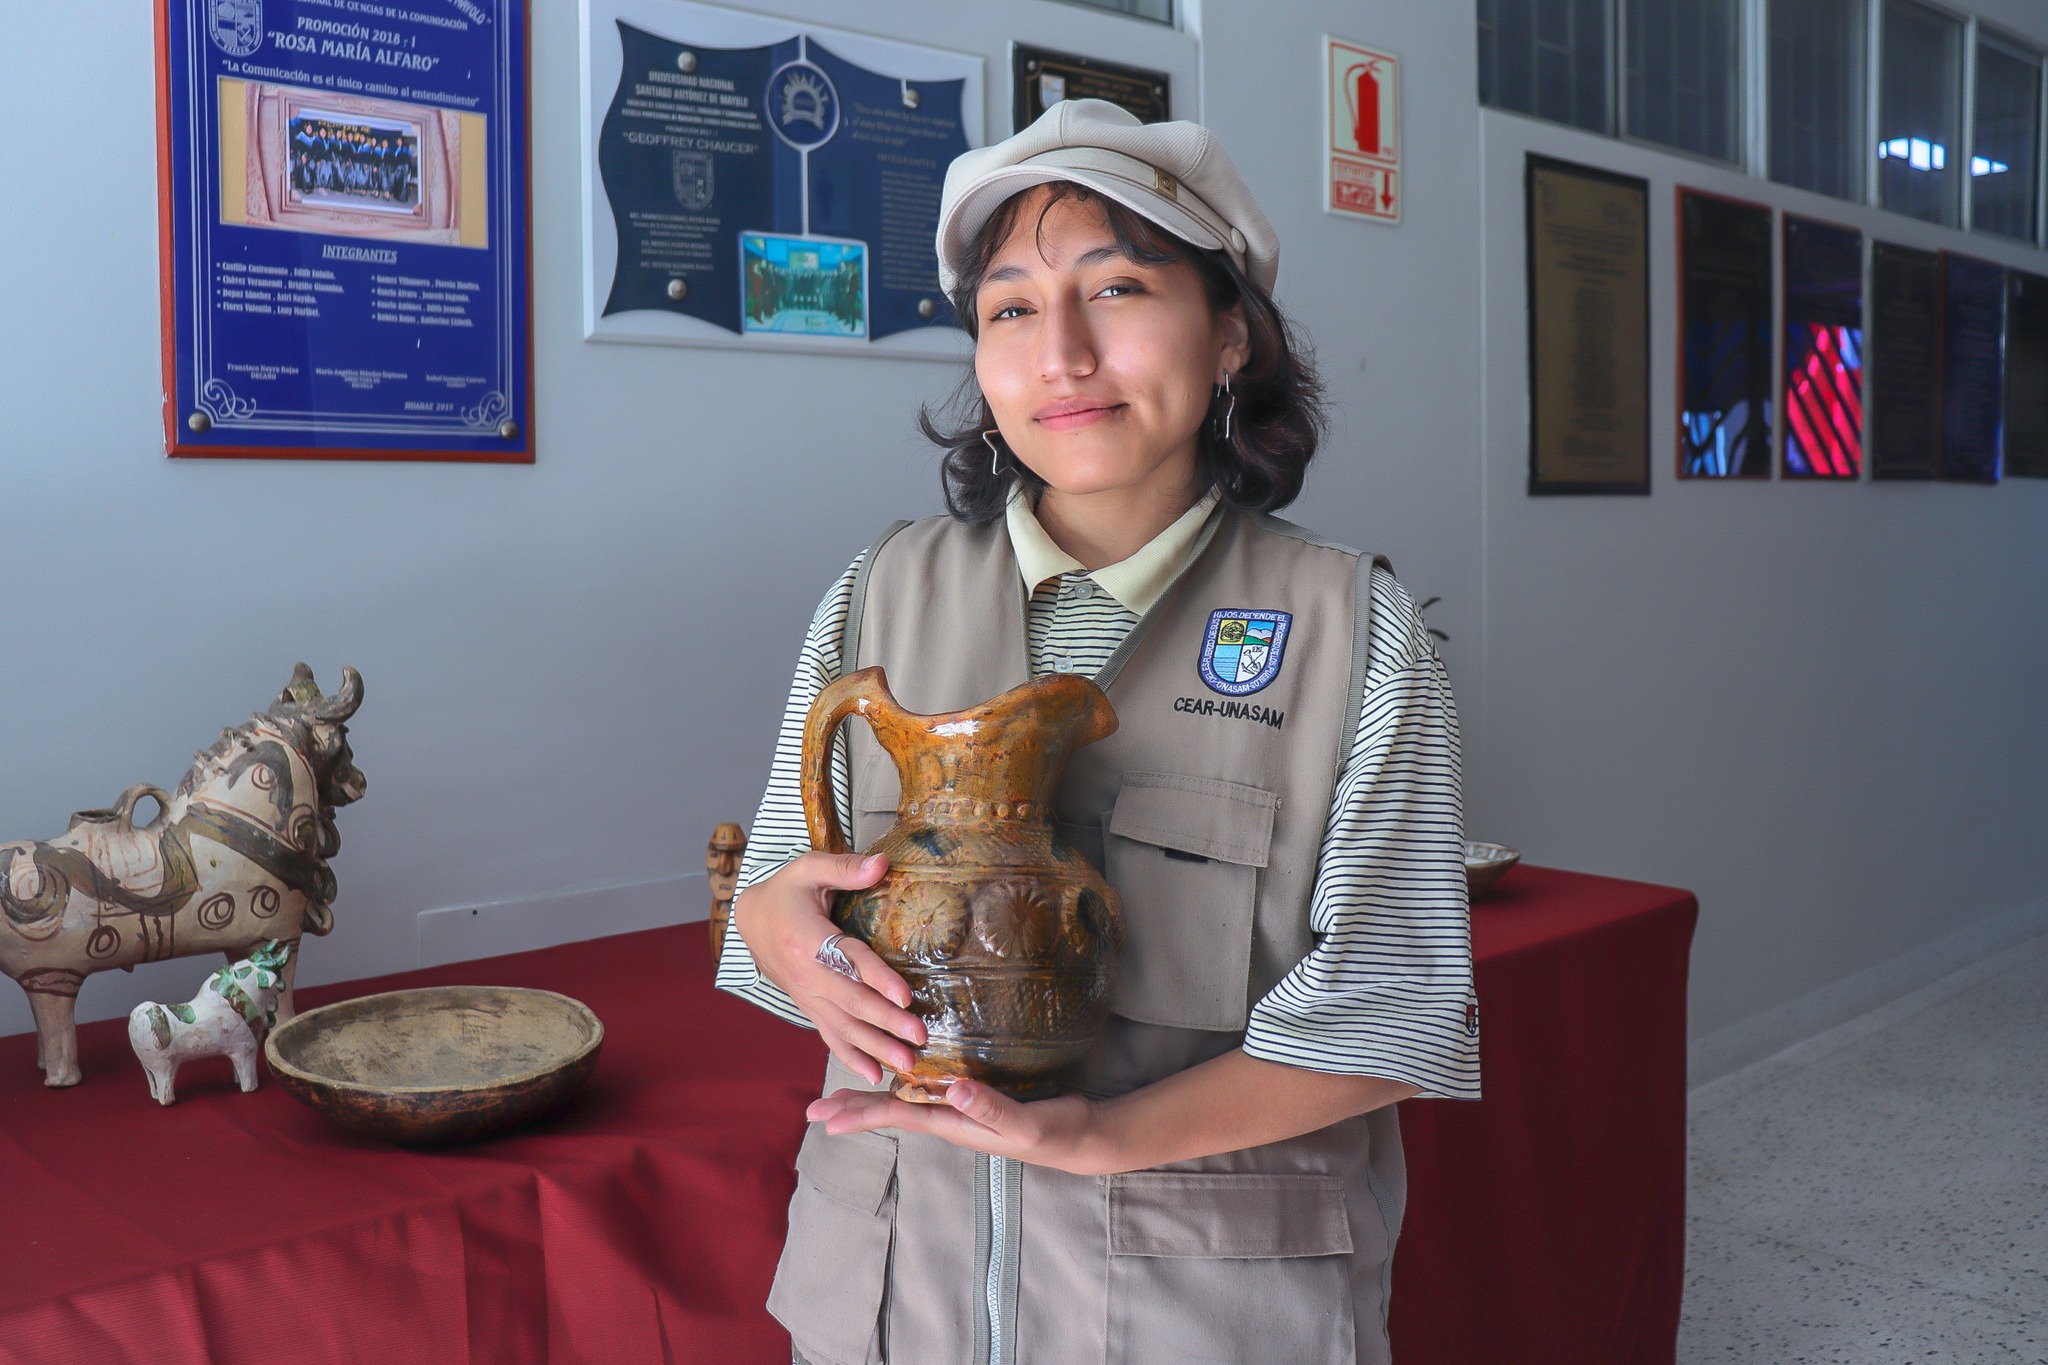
(1008,752)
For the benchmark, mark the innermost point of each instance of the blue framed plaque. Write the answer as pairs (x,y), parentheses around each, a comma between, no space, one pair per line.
(345,229)
(763,184)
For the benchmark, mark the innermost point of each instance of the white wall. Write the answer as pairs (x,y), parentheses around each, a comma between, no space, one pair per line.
(573,669)
(1391,310)
(1816,705)
(1811,704)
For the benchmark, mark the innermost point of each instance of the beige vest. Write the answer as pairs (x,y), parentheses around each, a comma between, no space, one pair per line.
(1206,811)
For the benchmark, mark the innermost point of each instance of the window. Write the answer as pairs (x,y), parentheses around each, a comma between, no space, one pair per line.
(1817,95)
(1819,91)
(1684,74)
(2005,141)
(1161,10)
(1547,58)
(1919,110)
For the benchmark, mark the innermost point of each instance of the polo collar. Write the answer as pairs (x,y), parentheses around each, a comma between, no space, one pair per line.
(1137,582)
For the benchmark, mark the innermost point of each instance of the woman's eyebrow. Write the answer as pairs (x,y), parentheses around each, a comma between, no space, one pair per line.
(1099,255)
(1093,257)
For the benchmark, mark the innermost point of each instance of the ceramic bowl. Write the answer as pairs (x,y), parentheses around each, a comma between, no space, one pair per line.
(1486,864)
(440,1064)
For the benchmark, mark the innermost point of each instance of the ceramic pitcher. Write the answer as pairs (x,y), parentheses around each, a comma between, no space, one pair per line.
(1007,937)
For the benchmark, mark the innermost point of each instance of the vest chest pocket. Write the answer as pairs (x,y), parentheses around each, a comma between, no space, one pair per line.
(830,1283)
(1184,852)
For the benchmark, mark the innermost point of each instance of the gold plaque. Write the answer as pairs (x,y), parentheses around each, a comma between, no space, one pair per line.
(1589,330)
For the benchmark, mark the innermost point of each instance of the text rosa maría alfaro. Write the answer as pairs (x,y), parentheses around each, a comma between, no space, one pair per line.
(1230,710)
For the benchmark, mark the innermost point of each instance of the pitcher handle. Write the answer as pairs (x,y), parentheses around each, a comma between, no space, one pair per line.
(124,809)
(865,692)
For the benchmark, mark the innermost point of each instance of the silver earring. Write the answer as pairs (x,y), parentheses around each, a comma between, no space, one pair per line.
(1223,391)
(995,457)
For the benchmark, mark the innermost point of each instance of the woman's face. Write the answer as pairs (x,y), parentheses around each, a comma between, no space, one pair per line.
(1098,368)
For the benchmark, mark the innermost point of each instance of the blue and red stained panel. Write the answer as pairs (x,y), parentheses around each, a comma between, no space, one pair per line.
(1823,350)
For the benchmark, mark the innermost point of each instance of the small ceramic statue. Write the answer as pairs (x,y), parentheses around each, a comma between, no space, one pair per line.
(722,866)
(226,1019)
(238,854)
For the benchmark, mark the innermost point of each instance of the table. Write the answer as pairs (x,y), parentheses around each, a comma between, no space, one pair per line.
(1546,1223)
(643,1223)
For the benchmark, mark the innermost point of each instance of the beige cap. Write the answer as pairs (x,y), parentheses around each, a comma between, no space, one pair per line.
(1175,174)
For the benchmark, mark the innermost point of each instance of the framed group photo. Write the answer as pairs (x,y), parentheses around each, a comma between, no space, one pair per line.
(344,231)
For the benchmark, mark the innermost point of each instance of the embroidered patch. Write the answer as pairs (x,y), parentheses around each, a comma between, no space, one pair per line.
(1241,650)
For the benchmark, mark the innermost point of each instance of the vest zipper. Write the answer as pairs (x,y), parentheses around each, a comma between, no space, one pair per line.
(998,1211)
(992,1283)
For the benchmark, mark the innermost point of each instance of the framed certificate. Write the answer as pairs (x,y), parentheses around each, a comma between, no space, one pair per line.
(344,230)
(1589,329)
(2026,374)
(1041,78)
(1905,361)
(1972,367)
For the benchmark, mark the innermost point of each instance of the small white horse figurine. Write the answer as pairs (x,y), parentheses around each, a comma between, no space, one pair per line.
(226,1018)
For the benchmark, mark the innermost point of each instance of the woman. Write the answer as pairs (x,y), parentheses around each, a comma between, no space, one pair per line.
(1279,811)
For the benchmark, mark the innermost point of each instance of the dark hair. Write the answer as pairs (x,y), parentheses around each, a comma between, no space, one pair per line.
(1274,427)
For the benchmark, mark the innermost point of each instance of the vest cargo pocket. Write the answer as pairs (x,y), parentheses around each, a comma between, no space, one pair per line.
(1184,853)
(835,1264)
(1229,1266)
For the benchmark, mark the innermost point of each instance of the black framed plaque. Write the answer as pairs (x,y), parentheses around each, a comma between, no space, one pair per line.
(1823,350)
(1972,367)
(1905,362)
(1041,78)
(2026,375)
(1724,331)
(1588,239)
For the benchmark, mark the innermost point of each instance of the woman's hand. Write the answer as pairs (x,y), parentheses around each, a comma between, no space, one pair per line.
(1062,1133)
(1225,1104)
(785,917)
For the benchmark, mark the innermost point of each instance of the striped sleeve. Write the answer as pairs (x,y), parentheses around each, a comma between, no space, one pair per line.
(1387,988)
(779,833)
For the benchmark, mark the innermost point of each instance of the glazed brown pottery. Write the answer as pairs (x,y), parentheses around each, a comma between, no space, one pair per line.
(1006,935)
(439,1064)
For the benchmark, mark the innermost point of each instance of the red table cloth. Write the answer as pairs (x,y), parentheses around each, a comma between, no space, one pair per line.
(1546,1223)
(642,1224)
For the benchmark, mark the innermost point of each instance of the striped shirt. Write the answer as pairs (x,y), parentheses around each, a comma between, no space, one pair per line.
(1387,989)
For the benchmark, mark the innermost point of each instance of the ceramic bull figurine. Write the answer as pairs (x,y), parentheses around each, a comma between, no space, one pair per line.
(236,855)
(226,1019)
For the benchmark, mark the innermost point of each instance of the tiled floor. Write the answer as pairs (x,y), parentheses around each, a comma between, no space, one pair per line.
(1879,1195)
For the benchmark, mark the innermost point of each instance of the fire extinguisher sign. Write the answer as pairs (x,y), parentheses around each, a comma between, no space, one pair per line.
(1362,90)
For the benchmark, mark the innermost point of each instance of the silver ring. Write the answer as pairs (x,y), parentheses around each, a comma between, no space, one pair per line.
(833,956)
